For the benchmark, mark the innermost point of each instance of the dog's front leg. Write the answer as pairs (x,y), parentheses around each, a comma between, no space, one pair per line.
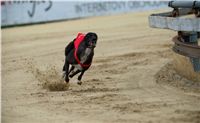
(71,70)
(73,74)
(80,77)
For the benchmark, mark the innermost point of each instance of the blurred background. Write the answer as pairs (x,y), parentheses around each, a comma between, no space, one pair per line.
(28,12)
(135,76)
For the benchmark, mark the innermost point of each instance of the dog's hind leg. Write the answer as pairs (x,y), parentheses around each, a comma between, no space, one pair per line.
(66,71)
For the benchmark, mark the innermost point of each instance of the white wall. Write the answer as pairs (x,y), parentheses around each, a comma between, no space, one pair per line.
(24,12)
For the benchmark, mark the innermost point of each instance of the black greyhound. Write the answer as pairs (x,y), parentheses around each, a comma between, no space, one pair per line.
(79,54)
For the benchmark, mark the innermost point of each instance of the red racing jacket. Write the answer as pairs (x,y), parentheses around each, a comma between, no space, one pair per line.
(77,42)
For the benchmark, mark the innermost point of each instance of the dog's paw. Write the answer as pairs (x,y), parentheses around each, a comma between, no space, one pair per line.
(79,82)
(67,80)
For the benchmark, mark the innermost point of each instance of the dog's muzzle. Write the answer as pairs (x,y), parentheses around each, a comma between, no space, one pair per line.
(92,45)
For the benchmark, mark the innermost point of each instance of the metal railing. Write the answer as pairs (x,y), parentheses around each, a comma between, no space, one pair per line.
(188,28)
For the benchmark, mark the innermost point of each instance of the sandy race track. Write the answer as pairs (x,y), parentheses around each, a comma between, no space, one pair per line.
(123,85)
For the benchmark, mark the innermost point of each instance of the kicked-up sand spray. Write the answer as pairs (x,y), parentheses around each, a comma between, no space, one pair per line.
(49,78)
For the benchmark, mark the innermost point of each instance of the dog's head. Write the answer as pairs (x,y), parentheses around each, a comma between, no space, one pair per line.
(91,39)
